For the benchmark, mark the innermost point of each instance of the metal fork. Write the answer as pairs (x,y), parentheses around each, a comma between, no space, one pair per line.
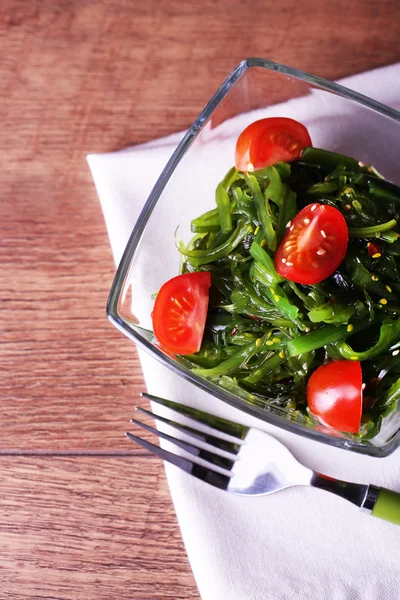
(248,461)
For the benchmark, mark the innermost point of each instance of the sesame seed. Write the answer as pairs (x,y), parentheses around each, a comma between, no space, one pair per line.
(308,329)
(321,251)
(257,229)
(276,298)
(383,301)
(323,233)
(363,386)
(389,289)
(395,352)
(361,164)
(289,264)
(291,228)
(306,221)
(347,206)
(288,224)
(258,342)
(350,327)
(250,166)
(283,260)
(314,206)
(281,354)
(377,255)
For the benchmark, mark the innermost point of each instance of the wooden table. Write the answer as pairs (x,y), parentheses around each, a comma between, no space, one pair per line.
(84,515)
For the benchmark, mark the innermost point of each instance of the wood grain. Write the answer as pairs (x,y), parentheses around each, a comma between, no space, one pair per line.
(102,529)
(92,76)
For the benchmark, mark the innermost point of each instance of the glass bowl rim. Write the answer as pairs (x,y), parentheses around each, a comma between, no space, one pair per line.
(139,227)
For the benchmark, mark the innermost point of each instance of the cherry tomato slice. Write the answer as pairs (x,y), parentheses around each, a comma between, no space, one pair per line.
(314,245)
(180,312)
(334,395)
(268,141)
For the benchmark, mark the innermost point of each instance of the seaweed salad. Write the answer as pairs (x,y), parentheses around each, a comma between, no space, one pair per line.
(295,282)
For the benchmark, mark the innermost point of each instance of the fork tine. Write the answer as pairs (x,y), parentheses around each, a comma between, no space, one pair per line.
(216,442)
(225,462)
(217,424)
(178,461)
(206,474)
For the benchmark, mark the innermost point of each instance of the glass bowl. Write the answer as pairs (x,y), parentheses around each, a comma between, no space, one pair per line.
(337,118)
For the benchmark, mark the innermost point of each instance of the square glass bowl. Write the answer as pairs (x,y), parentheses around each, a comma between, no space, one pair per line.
(337,118)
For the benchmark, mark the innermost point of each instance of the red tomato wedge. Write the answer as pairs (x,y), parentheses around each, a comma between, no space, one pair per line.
(180,312)
(268,141)
(334,395)
(314,245)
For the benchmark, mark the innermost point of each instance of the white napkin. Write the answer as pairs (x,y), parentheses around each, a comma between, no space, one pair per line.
(299,543)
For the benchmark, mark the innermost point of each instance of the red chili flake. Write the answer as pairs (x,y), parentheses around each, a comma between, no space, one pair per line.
(234,330)
(373,249)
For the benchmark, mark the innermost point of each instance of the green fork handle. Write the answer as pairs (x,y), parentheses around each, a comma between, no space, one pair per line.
(376,501)
(387,506)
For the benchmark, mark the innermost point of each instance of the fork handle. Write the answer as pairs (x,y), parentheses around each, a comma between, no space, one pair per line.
(378,502)
(386,505)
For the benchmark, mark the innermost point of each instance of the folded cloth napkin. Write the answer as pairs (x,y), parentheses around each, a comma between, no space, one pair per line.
(299,543)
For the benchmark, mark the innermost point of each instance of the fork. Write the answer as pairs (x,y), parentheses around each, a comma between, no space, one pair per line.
(247,461)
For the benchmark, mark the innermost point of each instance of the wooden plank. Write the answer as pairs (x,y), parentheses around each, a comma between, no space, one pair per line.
(90,529)
(95,76)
